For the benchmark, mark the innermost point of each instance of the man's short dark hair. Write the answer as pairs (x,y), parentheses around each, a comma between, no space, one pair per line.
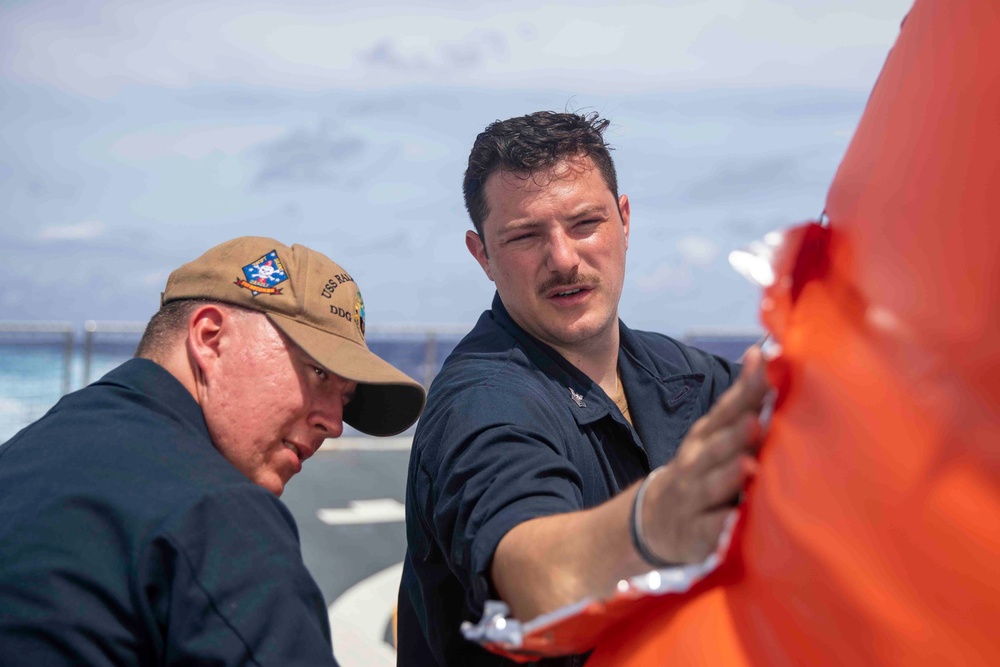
(170,323)
(532,143)
(165,327)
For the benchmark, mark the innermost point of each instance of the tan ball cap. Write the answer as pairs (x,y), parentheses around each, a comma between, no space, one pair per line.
(317,304)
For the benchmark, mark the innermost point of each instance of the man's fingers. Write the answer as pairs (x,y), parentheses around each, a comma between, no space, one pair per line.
(724,483)
(689,503)
(746,395)
(723,445)
(716,477)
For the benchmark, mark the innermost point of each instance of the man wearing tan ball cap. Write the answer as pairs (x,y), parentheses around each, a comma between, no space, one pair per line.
(317,304)
(139,517)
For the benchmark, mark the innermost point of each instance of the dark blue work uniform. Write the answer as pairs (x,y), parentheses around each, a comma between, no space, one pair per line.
(512,432)
(127,539)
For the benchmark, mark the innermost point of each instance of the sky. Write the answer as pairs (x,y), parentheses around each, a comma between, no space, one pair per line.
(138,135)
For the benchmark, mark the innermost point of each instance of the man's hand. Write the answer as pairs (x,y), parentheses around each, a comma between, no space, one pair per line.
(685,507)
(546,563)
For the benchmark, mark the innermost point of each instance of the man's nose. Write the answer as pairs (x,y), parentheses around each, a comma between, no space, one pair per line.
(562,257)
(327,416)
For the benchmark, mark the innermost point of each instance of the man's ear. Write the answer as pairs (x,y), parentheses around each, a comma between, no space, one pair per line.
(206,329)
(626,213)
(478,250)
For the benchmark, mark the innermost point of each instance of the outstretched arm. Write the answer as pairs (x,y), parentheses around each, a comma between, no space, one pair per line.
(546,563)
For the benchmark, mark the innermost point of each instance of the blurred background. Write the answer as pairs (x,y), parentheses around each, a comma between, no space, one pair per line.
(137,135)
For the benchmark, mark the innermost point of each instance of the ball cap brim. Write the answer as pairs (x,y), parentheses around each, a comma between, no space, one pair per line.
(386,402)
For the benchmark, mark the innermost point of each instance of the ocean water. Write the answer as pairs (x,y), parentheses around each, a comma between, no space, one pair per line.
(32,378)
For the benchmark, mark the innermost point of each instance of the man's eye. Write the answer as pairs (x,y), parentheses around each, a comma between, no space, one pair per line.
(322,374)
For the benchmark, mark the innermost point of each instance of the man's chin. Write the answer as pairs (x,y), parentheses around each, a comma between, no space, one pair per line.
(572,335)
(275,485)
(558,327)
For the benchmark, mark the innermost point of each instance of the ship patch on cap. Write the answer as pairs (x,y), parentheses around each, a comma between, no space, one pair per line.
(263,275)
(359,313)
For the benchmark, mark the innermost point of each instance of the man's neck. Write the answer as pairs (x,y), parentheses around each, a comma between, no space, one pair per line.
(176,361)
(596,358)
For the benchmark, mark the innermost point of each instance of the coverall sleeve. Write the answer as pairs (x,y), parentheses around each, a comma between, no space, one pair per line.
(487,466)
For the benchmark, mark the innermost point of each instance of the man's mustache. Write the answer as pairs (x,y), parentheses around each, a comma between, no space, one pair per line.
(591,280)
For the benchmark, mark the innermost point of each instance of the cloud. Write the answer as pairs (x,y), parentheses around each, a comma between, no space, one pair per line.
(156,278)
(677,279)
(79,232)
(308,157)
(194,143)
(772,104)
(756,178)
(43,188)
(386,193)
(397,244)
(777,42)
(678,276)
(232,100)
(443,58)
(99,48)
(601,37)
(799,104)
(698,250)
